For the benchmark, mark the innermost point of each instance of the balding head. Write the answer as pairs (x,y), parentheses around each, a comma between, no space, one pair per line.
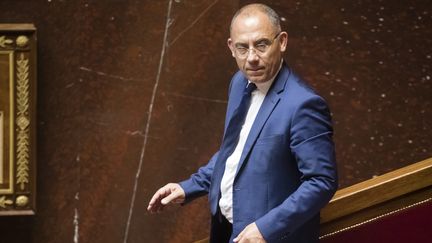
(258,8)
(257,42)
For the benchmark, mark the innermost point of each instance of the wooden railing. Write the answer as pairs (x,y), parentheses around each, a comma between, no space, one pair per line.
(375,198)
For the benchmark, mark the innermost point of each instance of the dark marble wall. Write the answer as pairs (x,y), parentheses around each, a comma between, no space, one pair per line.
(131,95)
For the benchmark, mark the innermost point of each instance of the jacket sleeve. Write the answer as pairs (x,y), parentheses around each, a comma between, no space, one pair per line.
(199,183)
(312,147)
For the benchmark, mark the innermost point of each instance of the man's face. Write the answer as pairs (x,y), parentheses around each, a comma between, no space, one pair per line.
(257,46)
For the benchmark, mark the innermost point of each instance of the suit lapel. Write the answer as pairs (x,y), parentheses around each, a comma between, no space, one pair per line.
(270,102)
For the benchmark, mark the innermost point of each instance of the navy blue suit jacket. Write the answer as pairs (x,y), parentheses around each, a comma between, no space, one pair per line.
(287,170)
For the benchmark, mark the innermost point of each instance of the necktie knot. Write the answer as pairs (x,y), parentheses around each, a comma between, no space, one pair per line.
(250,88)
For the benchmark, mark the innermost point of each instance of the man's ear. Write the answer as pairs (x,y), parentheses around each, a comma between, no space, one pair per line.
(231,47)
(283,37)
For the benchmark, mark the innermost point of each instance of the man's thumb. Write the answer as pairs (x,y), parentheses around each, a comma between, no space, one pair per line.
(169,198)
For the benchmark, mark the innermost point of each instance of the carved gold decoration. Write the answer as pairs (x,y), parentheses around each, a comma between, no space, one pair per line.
(22,201)
(4,41)
(22,41)
(22,121)
(18,84)
(4,202)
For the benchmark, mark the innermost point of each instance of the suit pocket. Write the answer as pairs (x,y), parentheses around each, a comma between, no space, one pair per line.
(273,139)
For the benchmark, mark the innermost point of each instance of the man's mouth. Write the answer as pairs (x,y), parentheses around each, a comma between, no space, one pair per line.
(254,69)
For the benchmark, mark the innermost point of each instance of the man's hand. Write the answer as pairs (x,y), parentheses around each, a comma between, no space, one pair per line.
(250,234)
(172,192)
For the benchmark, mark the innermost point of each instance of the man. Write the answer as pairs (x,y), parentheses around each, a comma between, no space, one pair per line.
(276,170)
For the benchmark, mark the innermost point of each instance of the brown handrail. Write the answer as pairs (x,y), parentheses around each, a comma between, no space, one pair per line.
(377,196)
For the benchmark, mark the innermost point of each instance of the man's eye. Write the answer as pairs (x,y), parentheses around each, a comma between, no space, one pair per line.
(261,47)
(242,50)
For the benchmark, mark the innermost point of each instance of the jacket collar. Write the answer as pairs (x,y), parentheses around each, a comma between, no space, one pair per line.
(269,104)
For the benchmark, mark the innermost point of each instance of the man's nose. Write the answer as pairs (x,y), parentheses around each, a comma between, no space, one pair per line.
(252,55)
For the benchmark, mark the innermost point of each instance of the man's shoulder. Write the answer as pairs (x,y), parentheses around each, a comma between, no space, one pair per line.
(298,91)
(239,77)
(238,80)
(297,86)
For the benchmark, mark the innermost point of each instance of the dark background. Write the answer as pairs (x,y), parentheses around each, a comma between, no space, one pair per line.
(132,94)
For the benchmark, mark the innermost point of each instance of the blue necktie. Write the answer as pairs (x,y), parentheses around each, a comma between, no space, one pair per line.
(230,140)
(232,133)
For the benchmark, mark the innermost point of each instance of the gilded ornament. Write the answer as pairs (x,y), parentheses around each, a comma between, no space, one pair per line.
(22,41)
(22,201)
(5,202)
(4,41)
(23,121)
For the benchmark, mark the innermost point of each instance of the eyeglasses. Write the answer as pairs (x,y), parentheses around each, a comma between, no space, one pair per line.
(260,48)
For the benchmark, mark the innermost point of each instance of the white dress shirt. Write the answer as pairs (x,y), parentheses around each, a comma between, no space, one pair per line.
(225,203)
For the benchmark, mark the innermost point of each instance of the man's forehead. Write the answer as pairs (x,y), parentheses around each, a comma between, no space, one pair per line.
(249,23)
(249,19)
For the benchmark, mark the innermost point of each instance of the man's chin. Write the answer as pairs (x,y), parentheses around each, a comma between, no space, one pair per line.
(256,78)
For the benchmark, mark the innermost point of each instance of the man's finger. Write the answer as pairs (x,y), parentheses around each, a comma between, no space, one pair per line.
(238,238)
(155,198)
(171,192)
(170,197)
(154,204)
(153,201)
(153,207)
